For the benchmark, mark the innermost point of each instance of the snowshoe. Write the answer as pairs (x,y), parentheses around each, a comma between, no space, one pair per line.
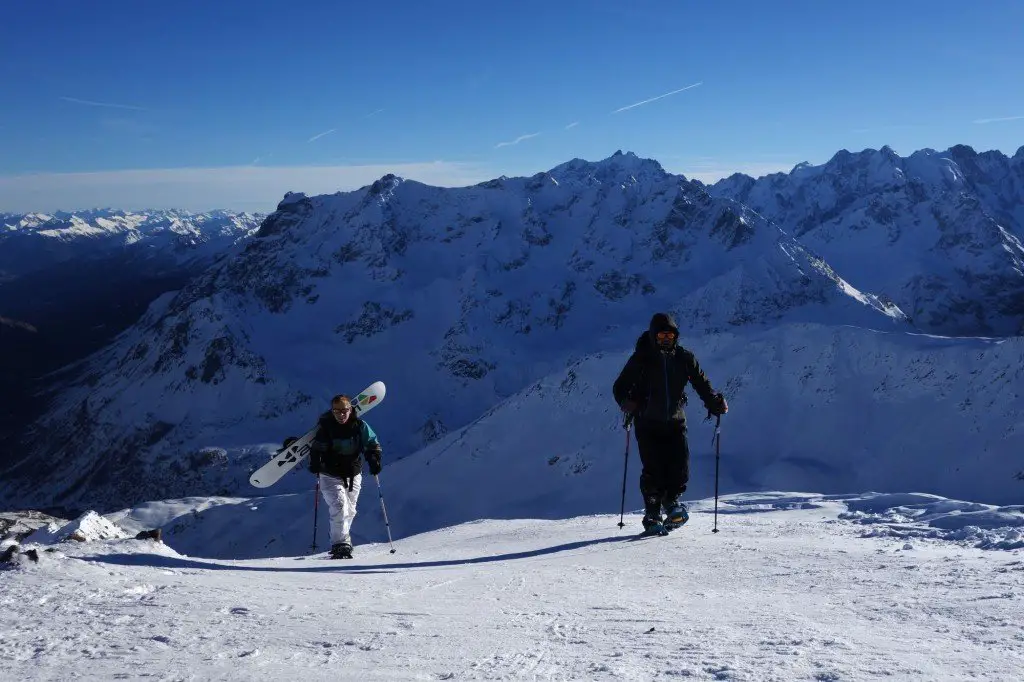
(677,515)
(341,550)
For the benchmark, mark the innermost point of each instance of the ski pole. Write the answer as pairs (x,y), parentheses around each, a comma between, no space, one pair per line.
(384,509)
(316,509)
(626,422)
(717,440)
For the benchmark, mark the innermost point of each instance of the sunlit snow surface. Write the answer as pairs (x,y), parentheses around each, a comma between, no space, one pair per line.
(794,587)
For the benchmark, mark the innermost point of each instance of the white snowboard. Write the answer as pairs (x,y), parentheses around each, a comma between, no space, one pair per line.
(286,458)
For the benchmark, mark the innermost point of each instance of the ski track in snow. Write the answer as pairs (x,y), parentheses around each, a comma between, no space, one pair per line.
(784,592)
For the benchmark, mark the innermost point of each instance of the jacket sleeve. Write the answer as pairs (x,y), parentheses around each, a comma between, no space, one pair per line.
(700,382)
(627,385)
(371,448)
(371,445)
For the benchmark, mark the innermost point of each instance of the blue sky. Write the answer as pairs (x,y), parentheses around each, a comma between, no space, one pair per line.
(216,104)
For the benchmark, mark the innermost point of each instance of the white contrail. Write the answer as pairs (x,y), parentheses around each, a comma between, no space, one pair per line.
(653,99)
(109,105)
(318,136)
(999,120)
(572,125)
(516,141)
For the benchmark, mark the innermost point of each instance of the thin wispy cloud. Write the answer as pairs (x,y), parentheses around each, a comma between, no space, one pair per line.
(999,120)
(374,113)
(519,139)
(572,125)
(319,135)
(109,105)
(655,99)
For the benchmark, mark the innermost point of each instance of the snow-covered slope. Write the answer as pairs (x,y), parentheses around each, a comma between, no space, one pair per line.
(819,407)
(815,407)
(795,587)
(454,297)
(938,233)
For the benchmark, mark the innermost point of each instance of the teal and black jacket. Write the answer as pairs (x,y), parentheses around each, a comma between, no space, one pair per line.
(338,449)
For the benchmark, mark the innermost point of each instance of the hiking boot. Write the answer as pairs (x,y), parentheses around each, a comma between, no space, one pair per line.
(652,524)
(341,550)
(676,515)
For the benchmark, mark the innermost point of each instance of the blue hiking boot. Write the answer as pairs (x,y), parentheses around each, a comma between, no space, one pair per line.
(653,525)
(676,515)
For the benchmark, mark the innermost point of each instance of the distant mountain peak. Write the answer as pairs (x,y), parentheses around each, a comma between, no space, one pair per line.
(801,167)
(385,184)
(290,198)
(625,168)
(963,149)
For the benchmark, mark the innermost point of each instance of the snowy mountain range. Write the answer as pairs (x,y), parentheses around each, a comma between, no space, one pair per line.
(938,233)
(35,241)
(498,315)
(70,282)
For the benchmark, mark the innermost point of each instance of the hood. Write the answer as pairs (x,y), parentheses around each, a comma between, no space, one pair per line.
(659,322)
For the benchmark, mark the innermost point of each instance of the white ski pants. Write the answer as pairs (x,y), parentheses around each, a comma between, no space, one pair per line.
(342,505)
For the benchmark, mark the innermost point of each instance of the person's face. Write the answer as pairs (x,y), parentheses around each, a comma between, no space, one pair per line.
(666,339)
(341,412)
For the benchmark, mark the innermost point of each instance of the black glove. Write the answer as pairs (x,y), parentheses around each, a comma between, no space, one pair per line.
(628,406)
(288,441)
(373,461)
(314,464)
(717,405)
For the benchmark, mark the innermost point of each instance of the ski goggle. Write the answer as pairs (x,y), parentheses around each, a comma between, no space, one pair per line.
(665,336)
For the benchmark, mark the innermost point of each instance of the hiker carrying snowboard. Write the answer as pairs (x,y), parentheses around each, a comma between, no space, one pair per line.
(336,454)
(650,388)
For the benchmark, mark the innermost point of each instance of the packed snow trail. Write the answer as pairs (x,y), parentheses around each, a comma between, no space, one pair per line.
(786,591)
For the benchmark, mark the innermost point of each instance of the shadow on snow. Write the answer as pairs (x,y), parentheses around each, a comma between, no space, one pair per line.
(340,565)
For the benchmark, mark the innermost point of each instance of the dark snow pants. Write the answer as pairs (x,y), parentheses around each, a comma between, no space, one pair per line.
(665,458)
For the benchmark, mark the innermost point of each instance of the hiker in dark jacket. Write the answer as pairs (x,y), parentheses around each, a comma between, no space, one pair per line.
(650,388)
(336,454)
